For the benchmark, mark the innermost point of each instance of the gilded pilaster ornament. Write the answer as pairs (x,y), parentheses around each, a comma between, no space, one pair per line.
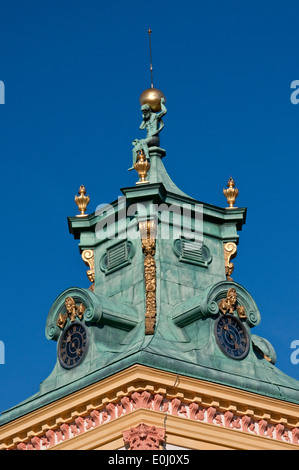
(142,166)
(230,252)
(82,201)
(228,305)
(148,237)
(231,193)
(88,258)
(72,311)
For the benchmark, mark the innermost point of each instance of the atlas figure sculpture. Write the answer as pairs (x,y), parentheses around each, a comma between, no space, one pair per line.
(153,124)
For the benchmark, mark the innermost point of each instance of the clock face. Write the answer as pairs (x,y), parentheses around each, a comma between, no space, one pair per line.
(231,336)
(73,345)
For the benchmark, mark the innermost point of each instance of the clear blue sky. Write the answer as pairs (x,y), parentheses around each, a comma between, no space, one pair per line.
(73,73)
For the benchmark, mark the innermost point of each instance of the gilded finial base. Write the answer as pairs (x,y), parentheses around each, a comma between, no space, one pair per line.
(142,182)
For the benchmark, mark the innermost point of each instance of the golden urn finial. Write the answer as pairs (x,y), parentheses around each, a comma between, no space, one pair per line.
(82,201)
(142,167)
(231,193)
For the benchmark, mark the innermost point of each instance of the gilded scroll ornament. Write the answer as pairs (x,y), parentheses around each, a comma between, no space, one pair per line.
(72,311)
(88,258)
(230,252)
(228,305)
(148,237)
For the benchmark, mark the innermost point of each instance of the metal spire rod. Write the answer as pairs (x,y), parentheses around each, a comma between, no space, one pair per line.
(151,65)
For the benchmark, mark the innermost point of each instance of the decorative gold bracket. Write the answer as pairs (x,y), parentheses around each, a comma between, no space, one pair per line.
(228,305)
(147,230)
(88,258)
(230,252)
(72,311)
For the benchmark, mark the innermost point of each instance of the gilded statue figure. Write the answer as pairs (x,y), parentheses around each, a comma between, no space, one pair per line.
(153,124)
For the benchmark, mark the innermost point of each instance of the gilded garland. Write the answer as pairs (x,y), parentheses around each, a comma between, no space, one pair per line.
(148,238)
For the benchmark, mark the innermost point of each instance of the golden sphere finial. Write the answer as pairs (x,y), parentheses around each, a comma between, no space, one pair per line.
(152,97)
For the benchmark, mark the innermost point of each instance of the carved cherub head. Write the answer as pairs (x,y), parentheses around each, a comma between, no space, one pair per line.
(232,296)
(69,304)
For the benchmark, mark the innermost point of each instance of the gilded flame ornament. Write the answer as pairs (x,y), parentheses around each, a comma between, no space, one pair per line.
(142,166)
(82,201)
(231,193)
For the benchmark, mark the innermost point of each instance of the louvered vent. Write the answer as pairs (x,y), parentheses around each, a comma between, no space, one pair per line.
(117,256)
(192,252)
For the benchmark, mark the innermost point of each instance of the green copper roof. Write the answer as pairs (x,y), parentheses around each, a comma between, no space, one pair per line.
(158,174)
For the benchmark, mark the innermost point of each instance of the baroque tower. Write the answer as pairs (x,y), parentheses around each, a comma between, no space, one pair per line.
(159,352)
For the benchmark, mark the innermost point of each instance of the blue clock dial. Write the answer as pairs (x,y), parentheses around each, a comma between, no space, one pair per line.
(231,336)
(73,345)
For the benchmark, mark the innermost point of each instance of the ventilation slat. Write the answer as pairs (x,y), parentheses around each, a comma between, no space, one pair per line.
(117,255)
